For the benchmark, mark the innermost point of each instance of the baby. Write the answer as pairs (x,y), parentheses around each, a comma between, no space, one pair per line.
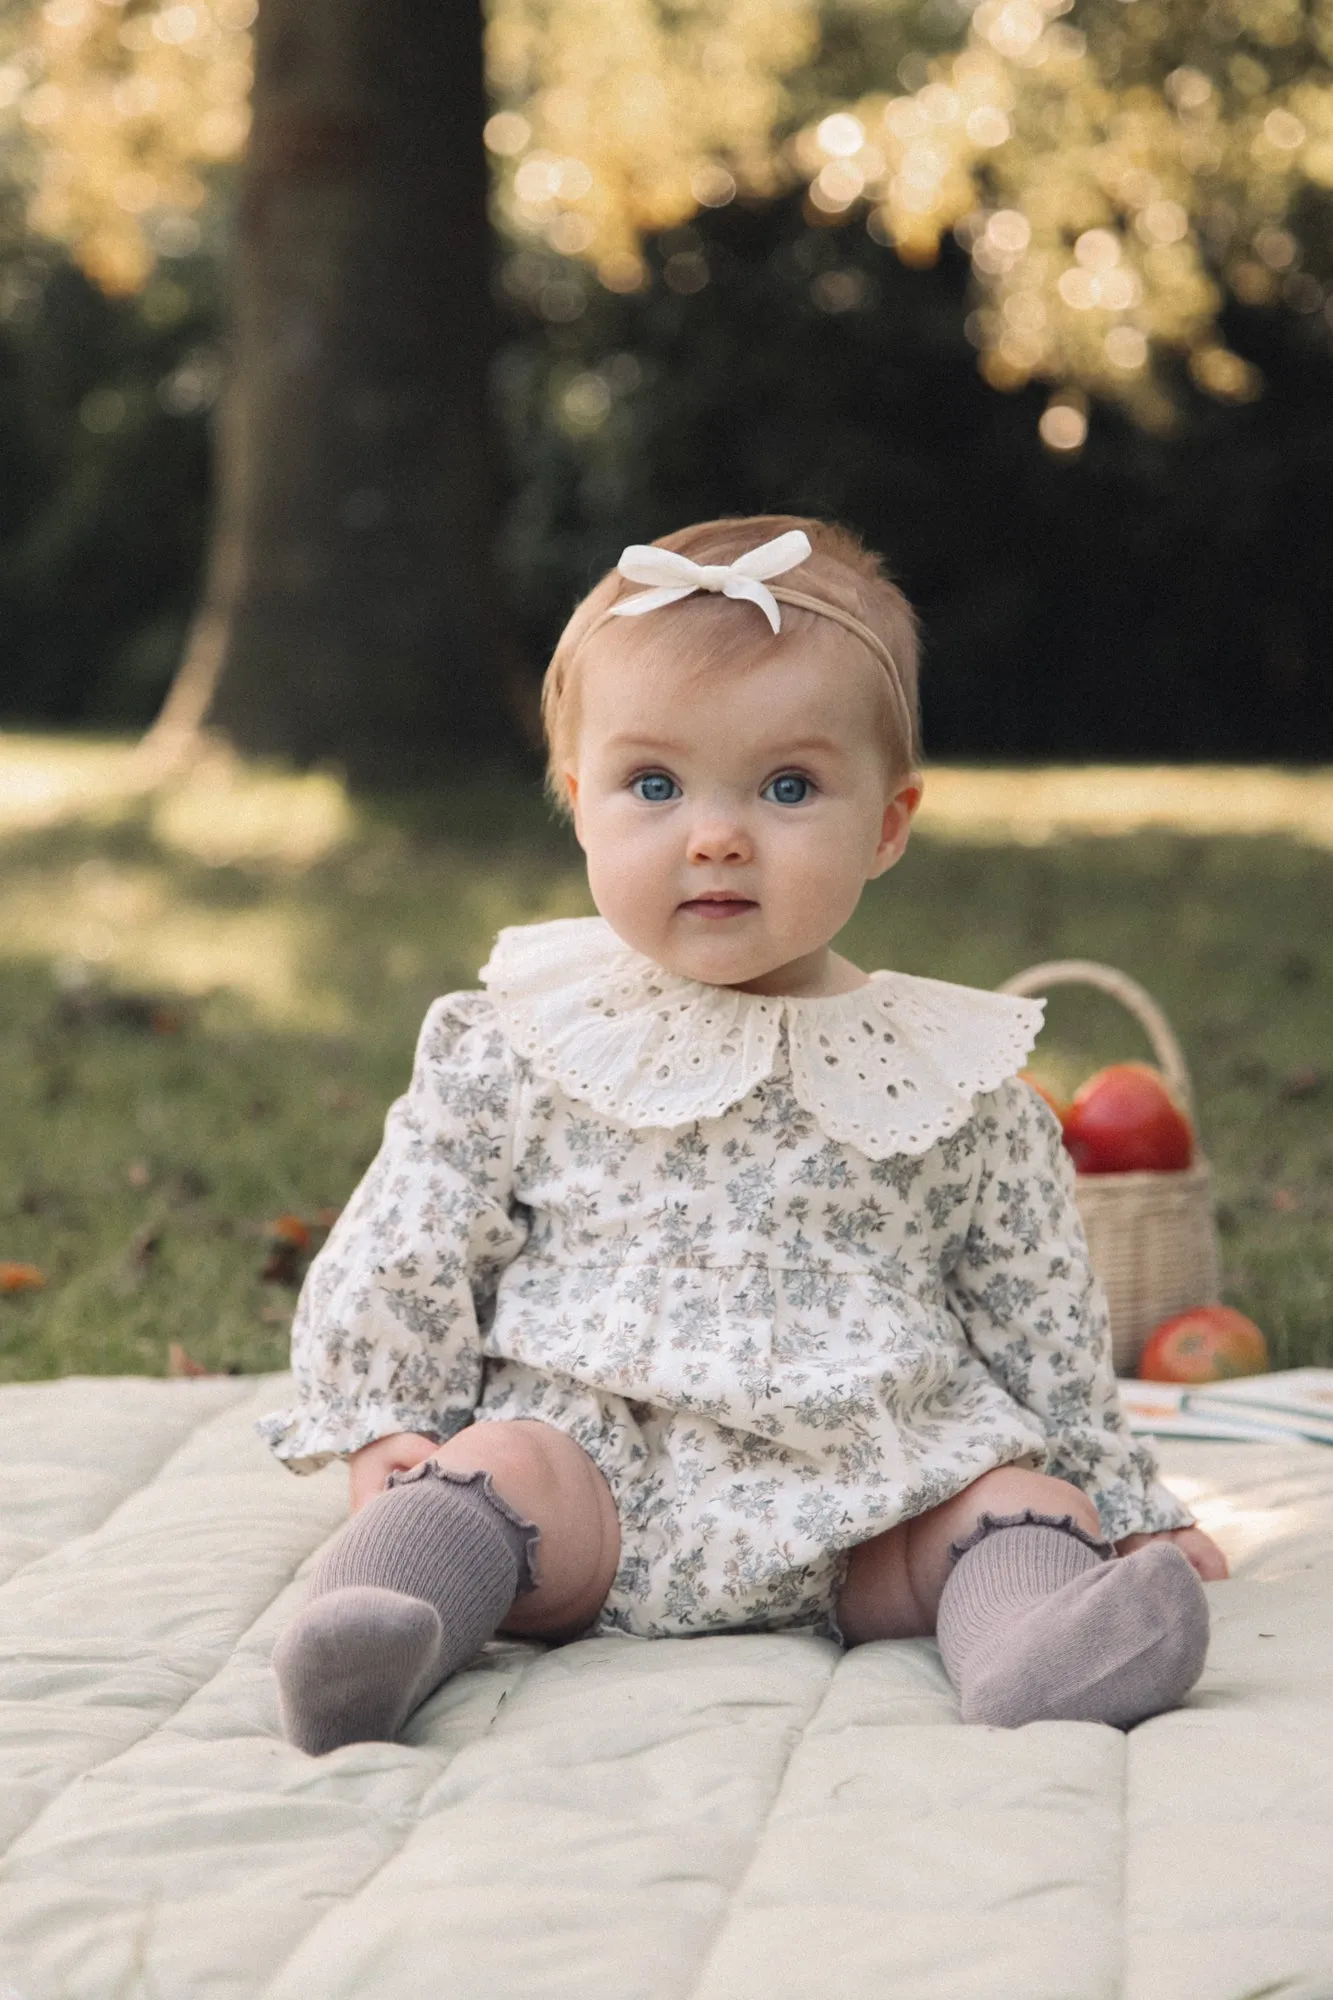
(704,1282)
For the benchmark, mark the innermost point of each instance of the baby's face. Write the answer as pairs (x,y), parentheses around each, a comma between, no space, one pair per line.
(731,820)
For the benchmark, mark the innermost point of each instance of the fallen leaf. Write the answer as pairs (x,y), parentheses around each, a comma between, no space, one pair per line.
(21,1278)
(143,1248)
(337,1097)
(282,1265)
(1306,1081)
(143,1013)
(144,1244)
(181,1363)
(138,1173)
(1284,1201)
(290,1232)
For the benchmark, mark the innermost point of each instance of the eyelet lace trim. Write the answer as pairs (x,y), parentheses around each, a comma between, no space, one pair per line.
(891,1068)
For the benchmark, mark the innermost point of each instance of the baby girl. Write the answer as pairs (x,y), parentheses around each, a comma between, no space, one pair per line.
(705,1282)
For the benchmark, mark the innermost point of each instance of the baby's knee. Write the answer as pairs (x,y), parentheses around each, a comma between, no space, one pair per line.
(1017,1489)
(538,1469)
(523,1458)
(551,1481)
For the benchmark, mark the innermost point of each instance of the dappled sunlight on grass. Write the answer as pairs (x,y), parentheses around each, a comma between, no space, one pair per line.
(230,814)
(225,811)
(229,811)
(137,926)
(47,779)
(1037,805)
(274,887)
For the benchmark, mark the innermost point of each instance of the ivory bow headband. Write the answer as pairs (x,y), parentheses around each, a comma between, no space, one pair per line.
(675,576)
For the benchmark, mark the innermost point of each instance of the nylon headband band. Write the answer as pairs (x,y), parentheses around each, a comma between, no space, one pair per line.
(840,617)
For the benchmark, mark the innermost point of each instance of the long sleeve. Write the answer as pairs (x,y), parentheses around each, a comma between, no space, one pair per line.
(1033,1310)
(388,1328)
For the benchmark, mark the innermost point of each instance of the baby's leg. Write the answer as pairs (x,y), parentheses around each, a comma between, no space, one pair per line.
(1037,1620)
(429,1569)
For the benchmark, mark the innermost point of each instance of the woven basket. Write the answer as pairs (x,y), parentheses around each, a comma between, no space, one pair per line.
(1152,1237)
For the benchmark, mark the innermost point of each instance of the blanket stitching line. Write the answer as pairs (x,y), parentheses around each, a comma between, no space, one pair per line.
(349,1902)
(165,1720)
(72,1541)
(761,1834)
(162,1722)
(1122,1967)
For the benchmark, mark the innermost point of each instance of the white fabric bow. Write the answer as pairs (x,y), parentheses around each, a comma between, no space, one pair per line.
(679,577)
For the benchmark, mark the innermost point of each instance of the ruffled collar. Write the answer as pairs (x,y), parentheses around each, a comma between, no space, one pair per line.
(891,1068)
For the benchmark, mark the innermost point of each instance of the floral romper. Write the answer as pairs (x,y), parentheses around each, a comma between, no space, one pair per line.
(789,1270)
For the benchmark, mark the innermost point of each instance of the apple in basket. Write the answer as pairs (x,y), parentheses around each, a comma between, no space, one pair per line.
(1124,1120)
(1206,1344)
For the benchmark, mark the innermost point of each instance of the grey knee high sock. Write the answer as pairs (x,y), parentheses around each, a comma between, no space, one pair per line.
(409,1592)
(1040,1623)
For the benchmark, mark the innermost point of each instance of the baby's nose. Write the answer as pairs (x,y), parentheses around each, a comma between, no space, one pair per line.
(722,838)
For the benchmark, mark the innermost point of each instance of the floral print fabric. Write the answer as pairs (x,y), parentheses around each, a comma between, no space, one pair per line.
(773,1346)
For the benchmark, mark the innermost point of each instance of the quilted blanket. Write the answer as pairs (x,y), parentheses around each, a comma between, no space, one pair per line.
(729,1818)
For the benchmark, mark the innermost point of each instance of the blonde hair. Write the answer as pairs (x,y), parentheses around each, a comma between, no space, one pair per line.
(717,632)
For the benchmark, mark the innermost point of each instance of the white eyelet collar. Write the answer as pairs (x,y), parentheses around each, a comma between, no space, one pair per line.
(891,1068)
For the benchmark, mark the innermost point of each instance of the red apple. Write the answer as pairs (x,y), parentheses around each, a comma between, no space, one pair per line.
(1124,1120)
(1057,1104)
(1206,1344)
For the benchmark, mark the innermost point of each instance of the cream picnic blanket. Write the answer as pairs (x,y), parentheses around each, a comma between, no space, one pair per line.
(732,1818)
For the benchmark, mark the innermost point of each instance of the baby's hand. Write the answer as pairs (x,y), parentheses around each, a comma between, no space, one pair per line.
(370,1467)
(1201,1549)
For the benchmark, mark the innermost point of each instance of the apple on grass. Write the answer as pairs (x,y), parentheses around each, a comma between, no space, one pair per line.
(1205,1344)
(1125,1120)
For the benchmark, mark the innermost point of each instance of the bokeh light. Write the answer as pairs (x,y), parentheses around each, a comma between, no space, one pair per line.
(1085,168)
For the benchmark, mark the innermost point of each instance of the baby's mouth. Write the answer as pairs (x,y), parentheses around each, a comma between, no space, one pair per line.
(719,904)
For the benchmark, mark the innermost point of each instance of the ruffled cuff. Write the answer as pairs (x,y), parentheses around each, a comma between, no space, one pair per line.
(306,1437)
(1127,1509)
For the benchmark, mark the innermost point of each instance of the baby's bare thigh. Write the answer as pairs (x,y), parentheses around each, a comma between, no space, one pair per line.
(550,1480)
(877,1600)
(894,1582)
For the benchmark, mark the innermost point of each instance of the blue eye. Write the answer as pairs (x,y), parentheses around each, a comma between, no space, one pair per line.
(655,788)
(788,790)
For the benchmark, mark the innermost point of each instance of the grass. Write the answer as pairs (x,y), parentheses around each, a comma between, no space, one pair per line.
(209,994)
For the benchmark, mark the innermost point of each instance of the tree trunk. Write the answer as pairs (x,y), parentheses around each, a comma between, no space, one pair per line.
(352,610)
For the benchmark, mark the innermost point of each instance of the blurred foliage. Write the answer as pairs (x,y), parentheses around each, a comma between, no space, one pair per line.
(1145,596)
(1114,168)
(1092,577)
(105,495)
(209,994)
(1117,170)
(125,108)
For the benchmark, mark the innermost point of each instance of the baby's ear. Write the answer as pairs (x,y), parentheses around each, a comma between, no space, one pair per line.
(897,823)
(571,785)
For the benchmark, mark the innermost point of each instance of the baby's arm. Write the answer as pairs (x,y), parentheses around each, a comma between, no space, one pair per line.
(1202,1550)
(1033,1310)
(386,1339)
(369,1468)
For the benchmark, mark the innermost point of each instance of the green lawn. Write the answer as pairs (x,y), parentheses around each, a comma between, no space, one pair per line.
(285,946)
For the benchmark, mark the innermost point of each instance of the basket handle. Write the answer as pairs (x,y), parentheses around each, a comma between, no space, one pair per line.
(1132,996)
